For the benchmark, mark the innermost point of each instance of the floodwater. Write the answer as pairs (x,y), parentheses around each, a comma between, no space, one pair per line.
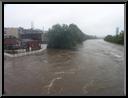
(94,68)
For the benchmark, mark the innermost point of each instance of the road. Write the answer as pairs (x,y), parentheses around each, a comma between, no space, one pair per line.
(94,68)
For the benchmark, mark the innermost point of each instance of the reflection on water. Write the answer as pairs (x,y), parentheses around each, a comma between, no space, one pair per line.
(90,69)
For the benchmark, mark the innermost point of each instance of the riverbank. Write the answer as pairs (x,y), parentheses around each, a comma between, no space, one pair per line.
(117,39)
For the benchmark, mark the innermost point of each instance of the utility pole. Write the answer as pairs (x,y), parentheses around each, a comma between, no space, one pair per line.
(117,31)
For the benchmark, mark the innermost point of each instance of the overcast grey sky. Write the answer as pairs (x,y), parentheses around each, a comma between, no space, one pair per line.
(92,19)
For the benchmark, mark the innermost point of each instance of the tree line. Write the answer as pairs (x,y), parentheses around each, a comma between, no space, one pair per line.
(118,39)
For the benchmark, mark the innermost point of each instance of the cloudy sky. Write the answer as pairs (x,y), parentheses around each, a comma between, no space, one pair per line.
(92,19)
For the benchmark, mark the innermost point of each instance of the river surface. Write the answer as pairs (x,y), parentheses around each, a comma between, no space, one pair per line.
(94,68)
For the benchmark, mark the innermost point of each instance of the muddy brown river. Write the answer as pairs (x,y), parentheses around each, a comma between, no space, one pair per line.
(94,68)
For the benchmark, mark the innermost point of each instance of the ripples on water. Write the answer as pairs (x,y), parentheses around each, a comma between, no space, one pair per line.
(84,70)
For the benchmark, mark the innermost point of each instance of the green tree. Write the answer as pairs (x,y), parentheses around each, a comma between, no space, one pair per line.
(119,39)
(64,36)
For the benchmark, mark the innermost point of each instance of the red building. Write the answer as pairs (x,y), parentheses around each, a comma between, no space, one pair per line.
(33,44)
(11,43)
